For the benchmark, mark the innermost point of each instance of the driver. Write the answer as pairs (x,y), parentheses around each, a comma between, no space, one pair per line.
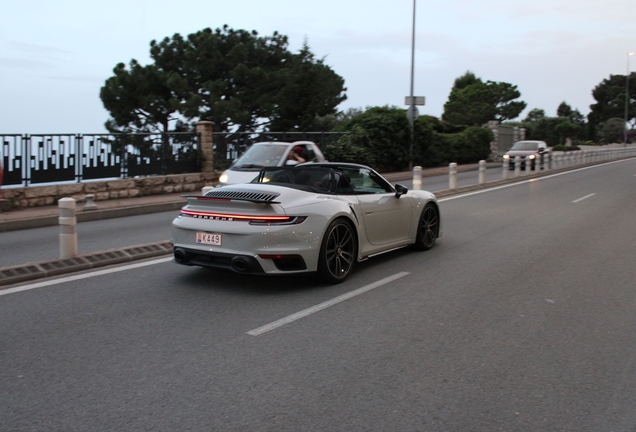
(295,156)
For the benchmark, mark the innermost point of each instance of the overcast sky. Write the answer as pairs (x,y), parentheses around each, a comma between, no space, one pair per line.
(55,56)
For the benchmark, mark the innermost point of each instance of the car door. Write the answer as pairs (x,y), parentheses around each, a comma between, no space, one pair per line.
(387,219)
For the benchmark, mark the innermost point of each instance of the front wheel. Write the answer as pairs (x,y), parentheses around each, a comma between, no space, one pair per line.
(338,252)
(428,228)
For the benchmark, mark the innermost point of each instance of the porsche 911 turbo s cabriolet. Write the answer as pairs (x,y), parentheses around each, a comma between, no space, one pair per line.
(318,217)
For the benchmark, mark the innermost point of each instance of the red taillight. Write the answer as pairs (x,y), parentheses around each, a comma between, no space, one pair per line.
(278,256)
(253,219)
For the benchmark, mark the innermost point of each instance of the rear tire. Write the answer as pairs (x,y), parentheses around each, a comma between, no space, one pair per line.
(428,228)
(338,252)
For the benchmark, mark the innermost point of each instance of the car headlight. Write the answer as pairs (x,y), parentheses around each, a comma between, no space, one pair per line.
(532,156)
(223,178)
(506,156)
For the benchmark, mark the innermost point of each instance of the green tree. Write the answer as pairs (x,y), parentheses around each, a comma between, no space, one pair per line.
(569,123)
(610,99)
(534,115)
(311,90)
(540,127)
(469,78)
(612,130)
(379,137)
(235,78)
(564,110)
(474,102)
(567,130)
(139,99)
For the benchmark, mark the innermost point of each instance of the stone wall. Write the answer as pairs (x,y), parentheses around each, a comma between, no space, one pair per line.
(33,196)
(496,148)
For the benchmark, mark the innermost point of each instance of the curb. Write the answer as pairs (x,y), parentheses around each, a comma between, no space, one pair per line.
(43,269)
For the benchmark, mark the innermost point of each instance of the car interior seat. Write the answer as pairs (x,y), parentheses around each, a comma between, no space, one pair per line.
(343,186)
(282,178)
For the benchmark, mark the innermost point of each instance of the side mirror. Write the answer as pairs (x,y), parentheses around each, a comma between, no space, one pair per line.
(400,190)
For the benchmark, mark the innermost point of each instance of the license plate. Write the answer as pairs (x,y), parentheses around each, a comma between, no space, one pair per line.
(209,239)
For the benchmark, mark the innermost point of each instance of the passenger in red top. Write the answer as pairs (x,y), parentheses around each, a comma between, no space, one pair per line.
(295,156)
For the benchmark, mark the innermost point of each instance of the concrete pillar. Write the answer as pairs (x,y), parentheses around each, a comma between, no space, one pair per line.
(417,178)
(205,129)
(482,171)
(68,228)
(505,168)
(493,125)
(452,175)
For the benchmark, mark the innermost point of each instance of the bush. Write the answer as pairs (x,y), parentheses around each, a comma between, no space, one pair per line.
(380,137)
(475,145)
(469,146)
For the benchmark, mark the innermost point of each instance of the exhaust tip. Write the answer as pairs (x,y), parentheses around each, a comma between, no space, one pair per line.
(239,264)
(181,256)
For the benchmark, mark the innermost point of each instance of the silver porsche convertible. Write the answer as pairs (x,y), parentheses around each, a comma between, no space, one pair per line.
(318,217)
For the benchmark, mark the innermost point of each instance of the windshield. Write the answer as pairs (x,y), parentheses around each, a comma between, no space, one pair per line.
(261,155)
(525,145)
(316,179)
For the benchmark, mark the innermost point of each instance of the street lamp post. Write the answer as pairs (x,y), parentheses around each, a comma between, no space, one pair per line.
(626,100)
(412,105)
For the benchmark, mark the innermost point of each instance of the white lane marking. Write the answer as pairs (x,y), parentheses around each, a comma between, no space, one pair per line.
(81,276)
(582,198)
(302,314)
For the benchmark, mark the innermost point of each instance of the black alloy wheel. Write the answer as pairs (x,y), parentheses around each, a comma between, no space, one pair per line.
(428,228)
(338,252)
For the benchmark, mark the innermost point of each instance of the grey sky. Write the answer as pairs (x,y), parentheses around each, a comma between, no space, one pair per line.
(55,56)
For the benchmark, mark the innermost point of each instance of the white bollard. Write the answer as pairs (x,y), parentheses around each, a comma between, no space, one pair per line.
(482,171)
(452,175)
(528,167)
(206,189)
(417,178)
(505,168)
(68,228)
(89,204)
(517,166)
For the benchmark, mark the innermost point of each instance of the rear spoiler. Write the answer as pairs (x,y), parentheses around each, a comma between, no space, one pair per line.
(229,195)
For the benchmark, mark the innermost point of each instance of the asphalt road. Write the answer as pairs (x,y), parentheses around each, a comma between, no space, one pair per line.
(40,244)
(522,318)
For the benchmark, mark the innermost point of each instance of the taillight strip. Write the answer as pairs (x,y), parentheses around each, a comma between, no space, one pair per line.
(236,216)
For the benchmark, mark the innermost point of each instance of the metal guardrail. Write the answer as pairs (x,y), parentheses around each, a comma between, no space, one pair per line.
(39,159)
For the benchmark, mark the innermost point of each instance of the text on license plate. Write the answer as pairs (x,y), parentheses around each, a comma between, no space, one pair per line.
(210,239)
